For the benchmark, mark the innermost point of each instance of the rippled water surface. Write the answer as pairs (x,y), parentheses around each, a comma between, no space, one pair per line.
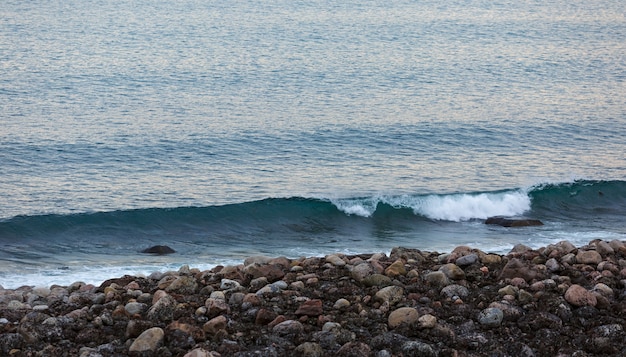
(117,105)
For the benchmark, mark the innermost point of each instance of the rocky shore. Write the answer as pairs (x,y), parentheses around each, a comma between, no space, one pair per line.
(559,300)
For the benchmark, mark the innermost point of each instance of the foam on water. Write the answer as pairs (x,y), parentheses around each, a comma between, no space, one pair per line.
(453,207)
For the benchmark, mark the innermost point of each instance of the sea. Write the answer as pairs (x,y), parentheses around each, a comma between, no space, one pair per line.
(229,129)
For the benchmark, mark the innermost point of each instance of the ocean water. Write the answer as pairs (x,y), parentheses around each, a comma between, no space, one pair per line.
(231,129)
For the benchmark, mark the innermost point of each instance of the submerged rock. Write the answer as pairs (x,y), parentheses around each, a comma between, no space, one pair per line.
(513,222)
(159,250)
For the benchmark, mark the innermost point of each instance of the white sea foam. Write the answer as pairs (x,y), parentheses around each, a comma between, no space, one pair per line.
(96,275)
(359,207)
(463,207)
(454,207)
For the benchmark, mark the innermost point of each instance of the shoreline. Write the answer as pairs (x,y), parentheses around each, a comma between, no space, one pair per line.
(558,300)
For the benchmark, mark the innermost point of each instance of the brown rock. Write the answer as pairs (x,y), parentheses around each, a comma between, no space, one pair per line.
(272,272)
(149,341)
(517,268)
(396,268)
(216,307)
(579,296)
(489,259)
(264,317)
(354,349)
(407,254)
(311,308)
(590,257)
(215,324)
(403,316)
(195,332)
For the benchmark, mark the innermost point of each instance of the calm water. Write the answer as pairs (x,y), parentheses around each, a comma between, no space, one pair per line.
(302,128)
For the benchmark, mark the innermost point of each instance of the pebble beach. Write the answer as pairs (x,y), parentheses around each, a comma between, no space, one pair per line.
(559,300)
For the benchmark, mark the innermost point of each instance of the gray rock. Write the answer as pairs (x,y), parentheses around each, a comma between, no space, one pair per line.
(467,260)
(288,328)
(390,294)
(361,270)
(377,280)
(418,349)
(455,290)
(437,278)
(133,308)
(163,309)
(490,317)
(228,284)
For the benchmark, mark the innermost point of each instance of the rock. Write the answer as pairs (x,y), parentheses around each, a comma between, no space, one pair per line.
(149,341)
(467,260)
(560,249)
(272,272)
(309,349)
(133,308)
(288,328)
(257,259)
(215,324)
(579,296)
(490,317)
(10,341)
(341,304)
(453,271)
(159,250)
(310,308)
(590,257)
(403,316)
(230,285)
(517,268)
(603,289)
(185,285)
(361,271)
(508,290)
(354,349)
(377,280)
(406,254)
(604,248)
(335,260)
(490,259)
(216,307)
(390,294)
(513,222)
(437,278)
(455,290)
(163,309)
(552,265)
(418,349)
(264,316)
(426,321)
(396,268)
(200,352)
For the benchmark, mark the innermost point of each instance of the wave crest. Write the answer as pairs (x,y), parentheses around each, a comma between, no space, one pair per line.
(453,207)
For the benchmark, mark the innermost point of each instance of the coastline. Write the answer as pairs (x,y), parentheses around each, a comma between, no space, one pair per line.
(559,300)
